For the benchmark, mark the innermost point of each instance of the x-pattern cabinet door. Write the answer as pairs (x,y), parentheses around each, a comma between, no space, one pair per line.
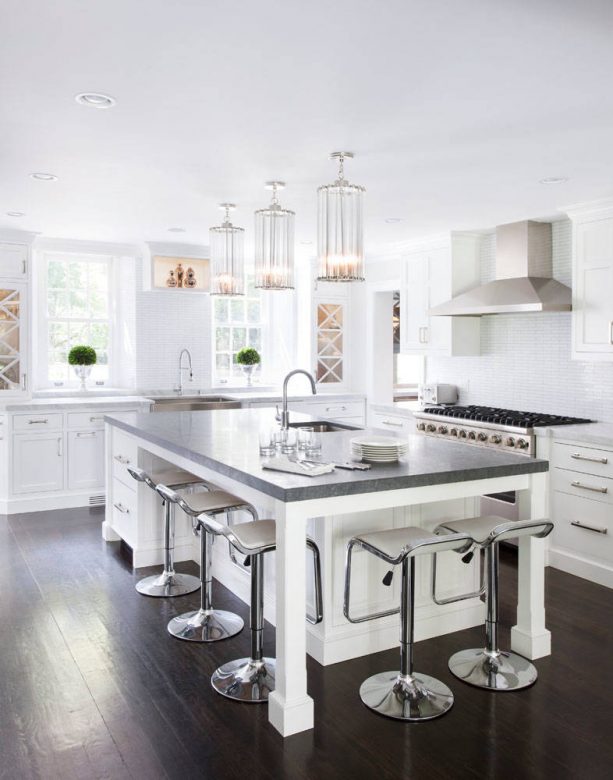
(329,342)
(13,340)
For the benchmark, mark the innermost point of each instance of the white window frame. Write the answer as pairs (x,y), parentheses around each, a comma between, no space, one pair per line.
(41,329)
(265,342)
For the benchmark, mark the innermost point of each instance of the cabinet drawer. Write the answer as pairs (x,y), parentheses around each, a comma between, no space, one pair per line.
(123,509)
(31,423)
(124,454)
(583,485)
(582,526)
(389,422)
(330,410)
(587,460)
(85,420)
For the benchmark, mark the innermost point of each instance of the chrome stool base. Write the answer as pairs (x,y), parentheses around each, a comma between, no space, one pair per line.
(502,671)
(246,680)
(168,585)
(205,625)
(403,697)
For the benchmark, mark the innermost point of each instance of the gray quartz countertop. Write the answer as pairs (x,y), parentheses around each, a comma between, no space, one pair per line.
(72,402)
(398,408)
(598,433)
(227,441)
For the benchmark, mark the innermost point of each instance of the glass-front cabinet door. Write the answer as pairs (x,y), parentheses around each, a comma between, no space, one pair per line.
(13,341)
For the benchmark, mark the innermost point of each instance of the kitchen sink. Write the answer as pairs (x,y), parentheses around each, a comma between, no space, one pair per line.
(324,427)
(193,403)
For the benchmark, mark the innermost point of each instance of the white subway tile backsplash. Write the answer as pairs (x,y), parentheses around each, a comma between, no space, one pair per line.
(526,358)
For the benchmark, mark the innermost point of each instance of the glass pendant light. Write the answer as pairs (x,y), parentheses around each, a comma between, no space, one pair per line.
(274,244)
(339,230)
(227,256)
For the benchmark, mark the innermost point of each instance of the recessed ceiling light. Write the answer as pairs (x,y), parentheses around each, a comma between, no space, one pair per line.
(393,220)
(95,100)
(176,230)
(306,243)
(44,176)
(15,213)
(554,180)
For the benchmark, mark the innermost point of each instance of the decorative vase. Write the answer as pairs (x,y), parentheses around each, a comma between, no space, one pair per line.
(83,373)
(248,372)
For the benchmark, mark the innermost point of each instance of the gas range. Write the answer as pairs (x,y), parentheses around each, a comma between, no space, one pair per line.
(488,426)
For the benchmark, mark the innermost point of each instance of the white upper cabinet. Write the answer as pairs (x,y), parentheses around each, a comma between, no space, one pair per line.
(432,274)
(593,281)
(13,338)
(14,261)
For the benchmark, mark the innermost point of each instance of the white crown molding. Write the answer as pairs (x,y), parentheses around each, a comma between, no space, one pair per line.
(18,236)
(77,246)
(599,209)
(435,241)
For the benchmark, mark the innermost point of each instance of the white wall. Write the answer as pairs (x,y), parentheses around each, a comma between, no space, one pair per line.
(526,358)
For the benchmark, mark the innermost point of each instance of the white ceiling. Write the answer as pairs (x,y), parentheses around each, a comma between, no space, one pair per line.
(454,109)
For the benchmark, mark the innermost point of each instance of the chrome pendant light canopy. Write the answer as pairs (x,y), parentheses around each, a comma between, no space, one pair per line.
(274,244)
(340,230)
(227,256)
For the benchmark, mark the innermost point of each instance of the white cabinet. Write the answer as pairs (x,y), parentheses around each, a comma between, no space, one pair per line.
(593,283)
(350,412)
(432,274)
(38,462)
(392,422)
(582,494)
(85,459)
(331,334)
(14,260)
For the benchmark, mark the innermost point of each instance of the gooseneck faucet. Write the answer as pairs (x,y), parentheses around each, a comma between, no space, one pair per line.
(284,416)
(182,368)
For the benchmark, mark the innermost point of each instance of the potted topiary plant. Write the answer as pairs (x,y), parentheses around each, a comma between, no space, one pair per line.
(248,359)
(82,358)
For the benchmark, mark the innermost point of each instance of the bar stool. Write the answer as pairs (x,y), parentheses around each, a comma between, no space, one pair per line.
(404,695)
(491,668)
(252,679)
(169,583)
(205,624)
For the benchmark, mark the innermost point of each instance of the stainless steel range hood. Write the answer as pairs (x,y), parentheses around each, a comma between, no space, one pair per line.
(523,277)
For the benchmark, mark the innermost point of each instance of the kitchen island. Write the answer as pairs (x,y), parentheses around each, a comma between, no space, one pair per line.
(437,479)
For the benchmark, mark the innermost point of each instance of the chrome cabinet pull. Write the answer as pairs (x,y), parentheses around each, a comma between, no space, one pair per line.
(121,508)
(579,456)
(121,459)
(611,332)
(96,419)
(24,381)
(59,447)
(596,529)
(90,434)
(24,267)
(594,489)
(38,422)
(336,408)
(391,422)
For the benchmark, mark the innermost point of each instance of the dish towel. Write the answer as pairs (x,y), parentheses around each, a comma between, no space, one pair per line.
(282,463)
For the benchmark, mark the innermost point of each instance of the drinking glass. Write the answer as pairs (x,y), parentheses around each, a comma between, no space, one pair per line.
(304,436)
(313,444)
(267,443)
(289,441)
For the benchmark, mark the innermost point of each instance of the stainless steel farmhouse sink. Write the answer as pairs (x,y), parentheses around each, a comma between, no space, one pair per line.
(193,403)
(324,427)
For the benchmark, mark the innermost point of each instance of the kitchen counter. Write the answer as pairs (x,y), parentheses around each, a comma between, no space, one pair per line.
(398,408)
(590,433)
(227,442)
(74,402)
(436,480)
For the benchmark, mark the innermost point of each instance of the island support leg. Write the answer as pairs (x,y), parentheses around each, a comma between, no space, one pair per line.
(530,637)
(290,709)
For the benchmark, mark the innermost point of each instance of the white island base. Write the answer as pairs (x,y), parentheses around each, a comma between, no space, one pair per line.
(134,514)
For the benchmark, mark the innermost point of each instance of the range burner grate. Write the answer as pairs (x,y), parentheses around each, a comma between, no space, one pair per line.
(491,414)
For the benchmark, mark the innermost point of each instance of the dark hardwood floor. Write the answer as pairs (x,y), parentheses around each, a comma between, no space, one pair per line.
(92,686)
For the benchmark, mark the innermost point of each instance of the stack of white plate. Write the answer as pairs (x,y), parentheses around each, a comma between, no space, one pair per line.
(379,449)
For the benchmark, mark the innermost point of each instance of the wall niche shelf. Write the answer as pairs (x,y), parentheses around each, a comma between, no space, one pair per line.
(181,269)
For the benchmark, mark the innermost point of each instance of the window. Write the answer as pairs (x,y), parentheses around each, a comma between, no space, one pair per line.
(78,311)
(238,321)
(408,369)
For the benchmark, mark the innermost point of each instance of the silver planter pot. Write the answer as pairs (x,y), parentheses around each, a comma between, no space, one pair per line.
(83,372)
(248,372)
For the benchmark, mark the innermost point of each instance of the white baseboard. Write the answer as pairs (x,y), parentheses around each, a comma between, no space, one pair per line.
(600,573)
(41,503)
